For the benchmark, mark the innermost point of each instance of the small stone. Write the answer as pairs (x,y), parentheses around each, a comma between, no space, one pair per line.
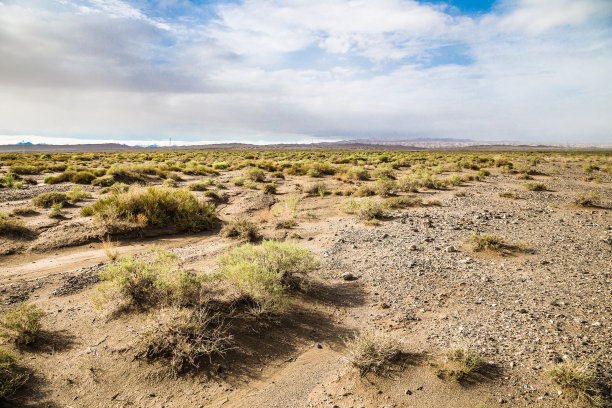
(347,276)
(408,392)
(412,247)
(450,248)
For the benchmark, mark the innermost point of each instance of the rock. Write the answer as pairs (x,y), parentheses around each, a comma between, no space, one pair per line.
(347,276)
(412,247)
(450,248)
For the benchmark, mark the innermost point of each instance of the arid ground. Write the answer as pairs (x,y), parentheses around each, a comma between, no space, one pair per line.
(503,257)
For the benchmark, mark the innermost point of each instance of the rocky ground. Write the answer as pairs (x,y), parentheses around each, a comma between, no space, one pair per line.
(414,275)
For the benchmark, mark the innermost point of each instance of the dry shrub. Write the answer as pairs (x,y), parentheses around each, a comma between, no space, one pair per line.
(581,381)
(12,226)
(183,337)
(241,228)
(372,351)
(11,378)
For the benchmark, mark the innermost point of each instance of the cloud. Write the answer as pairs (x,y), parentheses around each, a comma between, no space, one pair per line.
(527,70)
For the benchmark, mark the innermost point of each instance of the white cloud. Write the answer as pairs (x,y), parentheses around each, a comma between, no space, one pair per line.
(533,70)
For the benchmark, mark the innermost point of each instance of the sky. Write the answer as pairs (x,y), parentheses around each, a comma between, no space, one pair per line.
(271,71)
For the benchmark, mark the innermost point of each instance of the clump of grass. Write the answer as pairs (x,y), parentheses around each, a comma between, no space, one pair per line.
(104,181)
(292,204)
(365,209)
(255,174)
(56,211)
(184,337)
(21,325)
(156,207)
(508,194)
(12,226)
(318,188)
(250,184)
(241,228)
(47,200)
(468,361)
(265,273)
(535,186)
(587,199)
(24,211)
(579,380)
(110,249)
(156,278)
(11,378)
(373,352)
(487,242)
(269,188)
(199,186)
(286,224)
(496,243)
(76,194)
(237,181)
(402,202)
(357,173)
(364,191)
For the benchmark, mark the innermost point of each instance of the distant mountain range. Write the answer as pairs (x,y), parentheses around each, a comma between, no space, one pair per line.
(357,144)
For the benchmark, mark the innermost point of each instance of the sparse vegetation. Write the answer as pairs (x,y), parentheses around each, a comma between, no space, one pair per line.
(373,351)
(183,337)
(156,207)
(508,194)
(535,186)
(366,209)
(21,325)
(155,278)
(12,226)
(587,199)
(11,378)
(242,228)
(47,200)
(580,380)
(464,362)
(266,272)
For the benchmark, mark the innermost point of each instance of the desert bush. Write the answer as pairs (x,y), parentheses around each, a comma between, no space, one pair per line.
(589,167)
(507,194)
(237,181)
(535,186)
(56,211)
(26,169)
(241,228)
(357,173)
(104,181)
(468,361)
(579,380)
(278,175)
(220,165)
(366,209)
(385,187)
(482,242)
(125,173)
(402,202)
(269,188)
(156,207)
(11,378)
(169,182)
(76,194)
(24,211)
(12,226)
(317,188)
(255,174)
(364,191)
(286,224)
(407,184)
(21,325)
(155,278)
(384,173)
(373,352)
(46,200)
(265,273)
(183,337)
(199,186)
(587,199)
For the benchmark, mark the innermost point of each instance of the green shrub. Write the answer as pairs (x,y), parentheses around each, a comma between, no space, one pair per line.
(25,211)
(56,211)
(156,278)
(483,242)
(220,165)
(237,181)
(318,188)
(11,378)
(364,191)
(21,325)
(255,174)
(265,273)
(76,194)
(385,188)
(47,200)
(183,337)
(169,182)
(357,173)
(286,224)
(105,181)
(156,207)
(373,352)
(198,186)
(468,362)
(82,177)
